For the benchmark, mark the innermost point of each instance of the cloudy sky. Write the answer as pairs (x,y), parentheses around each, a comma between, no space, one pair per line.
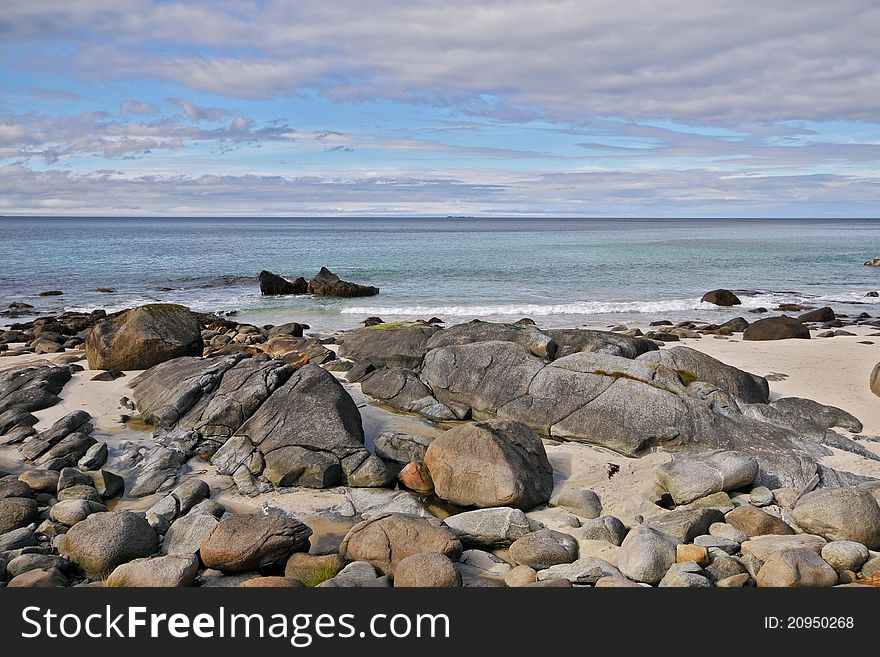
(567,108)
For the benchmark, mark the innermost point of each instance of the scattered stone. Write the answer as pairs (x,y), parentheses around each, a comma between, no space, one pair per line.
(240,543)
(165,571)
(312,569)
(105,540)
(685,553)
(776,328)
(108,375)
(796,568)
(386,539)
(604,528)
(689,478)
(426,569)
(142,337)
(273,284)
(840,514)
(186,534)
(586,570)
(70,512)
(415,477)
(520,576)
(582,502)
(763,547)
(16,539)
(685,524)
(761,496)
(401,447)
(683,575)
(845,555)
(543,549)
(646,554)
(755,522)
(495,527)
(16,512)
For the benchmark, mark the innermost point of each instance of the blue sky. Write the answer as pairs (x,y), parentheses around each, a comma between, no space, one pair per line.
(590,108)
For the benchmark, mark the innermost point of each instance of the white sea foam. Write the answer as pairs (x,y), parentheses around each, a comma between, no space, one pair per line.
(576,308)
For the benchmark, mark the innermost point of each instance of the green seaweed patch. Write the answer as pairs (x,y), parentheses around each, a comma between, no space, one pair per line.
(686,377)
(320,574)
(619,375)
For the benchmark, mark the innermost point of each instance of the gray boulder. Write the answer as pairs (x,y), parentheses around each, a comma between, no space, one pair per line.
(385,540)
(572,341)
(692,365)
(401,447)
(401,389)
(241,543)
(392,345)
(586,570)
(840,514)
(538,343)
(31,387)
(187,533)
(496,527)
(543,549)
(776,328)
(105,540)
(646,554)
(690,477)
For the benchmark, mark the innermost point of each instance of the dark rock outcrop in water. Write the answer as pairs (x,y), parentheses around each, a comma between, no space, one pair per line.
(324,284)
(142,337)
(721,298)
(273,284)
(328,284)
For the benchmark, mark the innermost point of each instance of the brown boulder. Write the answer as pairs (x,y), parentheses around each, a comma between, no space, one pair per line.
(796,568)
(241,543)
(491,463)
(273,284)
(387,539)
(426,570)
(755,522)
(142,337)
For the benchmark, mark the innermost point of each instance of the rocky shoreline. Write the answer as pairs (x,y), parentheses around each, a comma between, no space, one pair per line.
(195,450)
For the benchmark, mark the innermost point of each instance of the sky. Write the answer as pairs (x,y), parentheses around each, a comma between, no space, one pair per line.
(587,108)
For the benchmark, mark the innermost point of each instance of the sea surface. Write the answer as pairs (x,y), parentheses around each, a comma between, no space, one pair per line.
(559,272)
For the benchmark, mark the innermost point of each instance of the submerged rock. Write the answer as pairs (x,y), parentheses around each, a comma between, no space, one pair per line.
(721,297)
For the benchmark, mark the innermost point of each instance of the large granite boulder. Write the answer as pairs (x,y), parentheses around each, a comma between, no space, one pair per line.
(776,328)
(646,554)
(489,464)
(385,540)
(165,571)
(538,343)
(691,477)
(307,433)
(388,345)
(327,284)
(692,365)
(635,405)
(840,514)
(241,543)
(401,389)
(572,341)
(494,527)
(273,284)
(103,541)
(16,512)
(31,387)
(142,337)
(796,568)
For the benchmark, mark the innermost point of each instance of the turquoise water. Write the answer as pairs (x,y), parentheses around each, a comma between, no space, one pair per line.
(557,271)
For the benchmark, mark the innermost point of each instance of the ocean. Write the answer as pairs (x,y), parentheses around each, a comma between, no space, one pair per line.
(559,272)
